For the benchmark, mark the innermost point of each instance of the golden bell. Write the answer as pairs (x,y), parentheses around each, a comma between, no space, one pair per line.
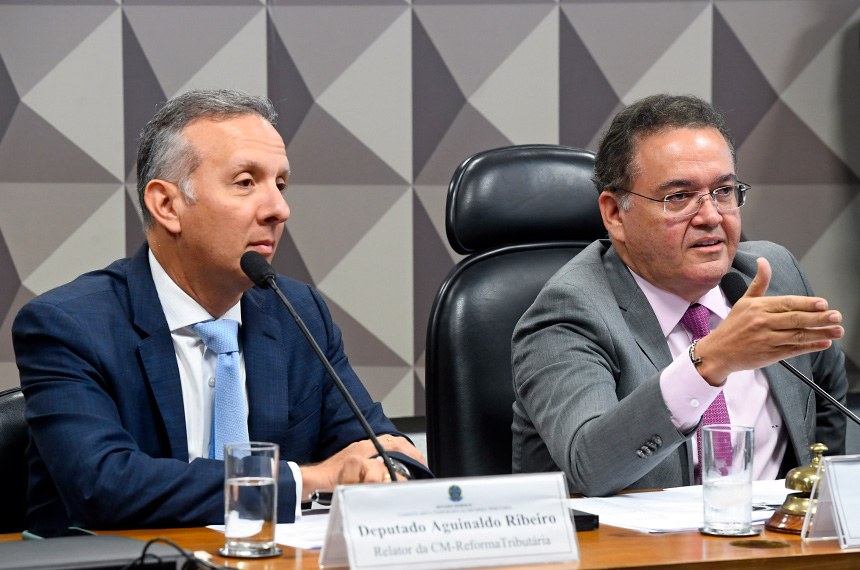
(789,517)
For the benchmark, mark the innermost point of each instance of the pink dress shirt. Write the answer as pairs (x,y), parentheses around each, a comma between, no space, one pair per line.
(687,395)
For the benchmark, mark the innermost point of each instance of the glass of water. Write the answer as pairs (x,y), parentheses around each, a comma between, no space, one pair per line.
(250,499)
(727,454)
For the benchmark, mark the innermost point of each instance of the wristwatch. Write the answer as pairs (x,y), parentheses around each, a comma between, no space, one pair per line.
(696,360)
(399,467)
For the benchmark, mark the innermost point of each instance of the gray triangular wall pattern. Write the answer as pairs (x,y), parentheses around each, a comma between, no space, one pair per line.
(9,280)
(324,152)
(436,97)
(363,347)
(742,108)
(288,260)
(470,133)
(173,53)
(142,93)
(287,89)
(586,99)
(784,37)
(641,32)
(22,296)
(357,210)
(489,36)
(341,32)
(785,72)
(57,159)
(776,212)
(783,150)
(9,96)
(34,38)
(134,236)
(432,264)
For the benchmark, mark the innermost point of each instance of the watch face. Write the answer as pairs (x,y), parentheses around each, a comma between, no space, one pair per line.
(401,469)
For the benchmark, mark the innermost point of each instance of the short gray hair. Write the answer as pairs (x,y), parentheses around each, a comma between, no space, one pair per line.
(614,166)
(163,152)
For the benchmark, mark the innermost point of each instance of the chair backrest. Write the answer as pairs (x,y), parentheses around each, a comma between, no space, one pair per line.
(519,213)
(13,461)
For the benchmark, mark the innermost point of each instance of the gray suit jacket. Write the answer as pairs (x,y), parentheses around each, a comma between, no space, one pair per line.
(587,357)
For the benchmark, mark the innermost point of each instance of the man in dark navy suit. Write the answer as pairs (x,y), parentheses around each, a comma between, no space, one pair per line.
(119,386)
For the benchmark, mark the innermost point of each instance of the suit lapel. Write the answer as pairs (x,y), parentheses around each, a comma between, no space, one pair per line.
(156,352)
(638,314)
(265,365)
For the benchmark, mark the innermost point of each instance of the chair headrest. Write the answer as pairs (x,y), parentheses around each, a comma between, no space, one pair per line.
(522,194)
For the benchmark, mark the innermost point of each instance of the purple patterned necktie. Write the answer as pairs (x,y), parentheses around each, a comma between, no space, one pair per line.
(697,320)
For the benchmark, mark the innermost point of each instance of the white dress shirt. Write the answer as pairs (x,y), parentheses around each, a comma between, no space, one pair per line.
(197,364)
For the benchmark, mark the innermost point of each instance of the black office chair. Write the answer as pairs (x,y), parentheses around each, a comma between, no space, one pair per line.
(519,213)
(13,462)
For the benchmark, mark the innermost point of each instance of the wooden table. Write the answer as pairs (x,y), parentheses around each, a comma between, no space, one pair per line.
(606,547)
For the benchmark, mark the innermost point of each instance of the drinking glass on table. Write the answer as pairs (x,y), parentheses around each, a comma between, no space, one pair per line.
(727,454)
(250,499)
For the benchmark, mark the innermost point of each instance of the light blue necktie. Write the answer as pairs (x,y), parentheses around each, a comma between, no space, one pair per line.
(229,420)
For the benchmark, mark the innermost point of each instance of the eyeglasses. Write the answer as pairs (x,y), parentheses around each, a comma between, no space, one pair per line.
(682,205)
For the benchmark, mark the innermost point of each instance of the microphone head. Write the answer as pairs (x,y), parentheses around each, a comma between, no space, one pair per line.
(733,286)
(257,268)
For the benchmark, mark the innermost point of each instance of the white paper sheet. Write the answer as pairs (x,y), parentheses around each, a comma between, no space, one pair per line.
(675,509)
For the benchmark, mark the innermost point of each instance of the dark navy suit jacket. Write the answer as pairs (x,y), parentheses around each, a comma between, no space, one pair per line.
(104,402)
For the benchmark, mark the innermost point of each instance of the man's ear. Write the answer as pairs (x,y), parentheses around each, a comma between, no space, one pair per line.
(610,211)
(163,200)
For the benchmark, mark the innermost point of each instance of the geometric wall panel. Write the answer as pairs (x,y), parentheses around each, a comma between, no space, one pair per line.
(380,100)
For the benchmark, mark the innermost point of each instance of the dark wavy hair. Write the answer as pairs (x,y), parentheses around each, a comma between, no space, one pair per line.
(614,166)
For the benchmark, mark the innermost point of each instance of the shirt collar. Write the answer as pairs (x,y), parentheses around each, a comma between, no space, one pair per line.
(669,307)
(180,309)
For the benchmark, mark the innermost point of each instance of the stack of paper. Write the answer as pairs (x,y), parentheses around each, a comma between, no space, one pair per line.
(679,508)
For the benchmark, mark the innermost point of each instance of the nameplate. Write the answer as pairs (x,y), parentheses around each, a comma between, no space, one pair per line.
(451,523)
(834,510)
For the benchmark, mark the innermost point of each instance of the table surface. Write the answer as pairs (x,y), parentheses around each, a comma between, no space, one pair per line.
(606,547)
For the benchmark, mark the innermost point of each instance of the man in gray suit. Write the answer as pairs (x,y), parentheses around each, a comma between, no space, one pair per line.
(611,380)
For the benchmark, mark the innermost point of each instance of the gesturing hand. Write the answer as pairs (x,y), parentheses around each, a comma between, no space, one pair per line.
(761,330)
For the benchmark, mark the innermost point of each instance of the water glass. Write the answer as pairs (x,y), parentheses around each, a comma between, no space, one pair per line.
(727,455)
(250,499)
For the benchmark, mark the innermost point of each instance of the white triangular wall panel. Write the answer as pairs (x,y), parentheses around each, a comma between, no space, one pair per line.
(520,98)
(99,241)
(82,96)
(374,282)
(240,64)
(373,97)
(685,67)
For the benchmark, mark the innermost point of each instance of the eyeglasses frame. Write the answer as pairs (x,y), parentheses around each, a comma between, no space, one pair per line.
(741,189)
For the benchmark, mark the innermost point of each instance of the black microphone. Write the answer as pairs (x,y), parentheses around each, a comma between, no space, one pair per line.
(263,275)
(734,287)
